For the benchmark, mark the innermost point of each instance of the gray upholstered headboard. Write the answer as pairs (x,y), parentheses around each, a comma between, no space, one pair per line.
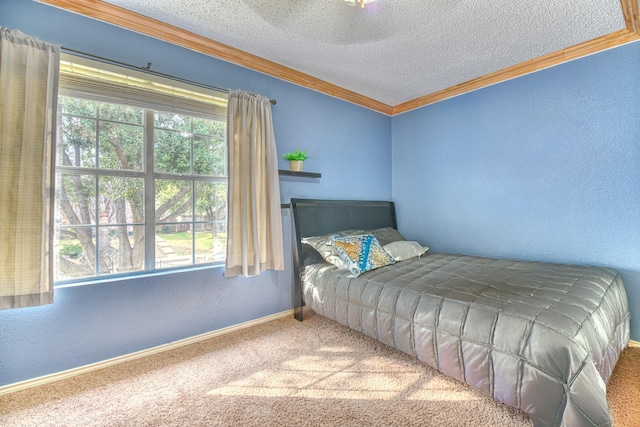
(320,217)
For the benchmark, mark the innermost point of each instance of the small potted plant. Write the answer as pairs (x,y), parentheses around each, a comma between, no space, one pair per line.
(295,160)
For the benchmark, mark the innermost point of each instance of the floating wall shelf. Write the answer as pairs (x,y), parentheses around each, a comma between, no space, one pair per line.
(300,174)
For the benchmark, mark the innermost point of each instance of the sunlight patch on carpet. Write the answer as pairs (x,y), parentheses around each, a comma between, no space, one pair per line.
(336,375)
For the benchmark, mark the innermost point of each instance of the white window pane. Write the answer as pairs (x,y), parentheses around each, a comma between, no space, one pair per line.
(173,201)
(172,151)
(120,249)
(209,156)
(211,243)
(174,245)
(77,106)
(172,121)
(74,253)
(120,146)
(209,127)
(78,137)
(121,200)
(121,113)
(75,199)
(211,201)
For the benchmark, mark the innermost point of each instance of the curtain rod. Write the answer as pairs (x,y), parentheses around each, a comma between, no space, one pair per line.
(146,69)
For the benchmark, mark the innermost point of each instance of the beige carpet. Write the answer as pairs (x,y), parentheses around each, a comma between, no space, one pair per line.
(282,373)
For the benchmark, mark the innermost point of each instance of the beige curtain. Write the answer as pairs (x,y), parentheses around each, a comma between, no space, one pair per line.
(28,80)
(254,223)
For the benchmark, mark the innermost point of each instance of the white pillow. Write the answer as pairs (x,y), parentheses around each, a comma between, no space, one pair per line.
(405,249)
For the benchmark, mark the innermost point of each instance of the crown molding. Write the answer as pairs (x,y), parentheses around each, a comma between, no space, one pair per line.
(127,19)
(578,51)
(151,27)
(631,33)
(631,16)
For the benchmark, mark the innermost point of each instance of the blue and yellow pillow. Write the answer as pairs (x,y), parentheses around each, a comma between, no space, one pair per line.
(322,244)
(361,253)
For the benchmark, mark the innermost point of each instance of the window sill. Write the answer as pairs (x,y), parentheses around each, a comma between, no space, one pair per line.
(137,276)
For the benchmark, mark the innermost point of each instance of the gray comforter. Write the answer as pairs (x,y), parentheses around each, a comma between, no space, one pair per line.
(543,338)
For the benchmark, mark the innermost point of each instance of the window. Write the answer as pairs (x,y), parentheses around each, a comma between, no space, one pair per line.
(141,178)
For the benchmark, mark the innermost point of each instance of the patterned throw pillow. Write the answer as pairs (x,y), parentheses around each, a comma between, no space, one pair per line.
(361,253)
(322,244)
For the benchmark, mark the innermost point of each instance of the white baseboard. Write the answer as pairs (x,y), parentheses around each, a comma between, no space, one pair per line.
(10,388)
(634,343)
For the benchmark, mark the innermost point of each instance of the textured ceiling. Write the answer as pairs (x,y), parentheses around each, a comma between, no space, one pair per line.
(393,51)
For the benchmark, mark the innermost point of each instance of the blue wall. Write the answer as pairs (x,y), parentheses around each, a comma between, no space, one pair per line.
(91,323)
(542,167)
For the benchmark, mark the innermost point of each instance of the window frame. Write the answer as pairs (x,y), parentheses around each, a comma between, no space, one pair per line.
(147,174)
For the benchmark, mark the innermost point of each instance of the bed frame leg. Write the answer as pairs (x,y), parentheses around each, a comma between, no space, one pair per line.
(297,288)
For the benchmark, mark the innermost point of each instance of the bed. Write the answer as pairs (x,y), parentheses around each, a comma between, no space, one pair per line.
(540,337)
